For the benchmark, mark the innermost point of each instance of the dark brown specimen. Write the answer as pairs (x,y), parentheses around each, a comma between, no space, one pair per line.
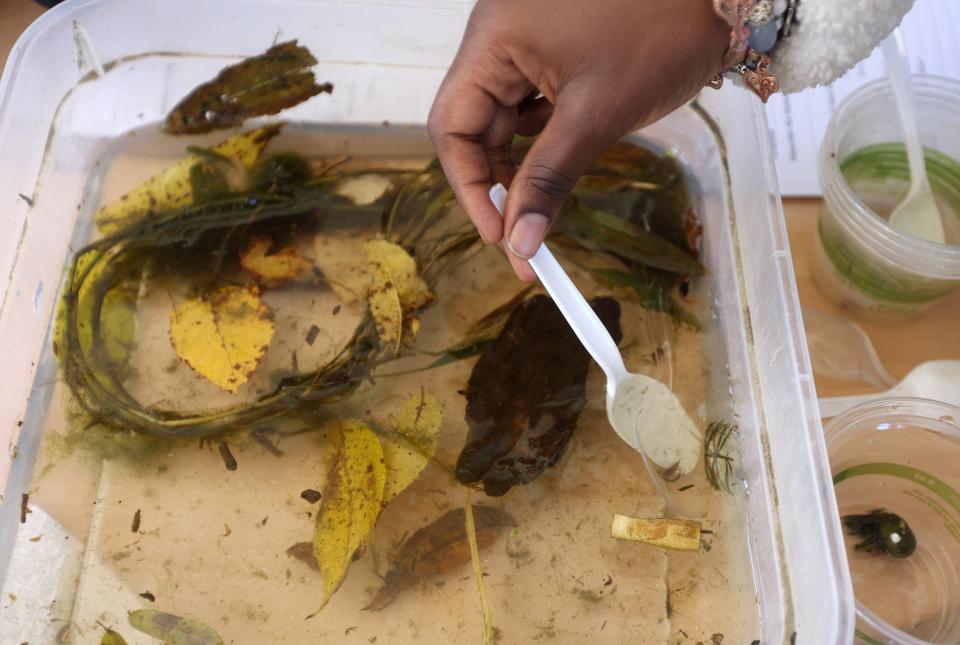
(525,395)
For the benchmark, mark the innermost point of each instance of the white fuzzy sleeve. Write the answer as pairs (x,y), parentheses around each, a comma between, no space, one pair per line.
(828,37)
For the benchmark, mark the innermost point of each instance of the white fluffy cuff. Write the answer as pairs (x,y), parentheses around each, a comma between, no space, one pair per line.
(828,37)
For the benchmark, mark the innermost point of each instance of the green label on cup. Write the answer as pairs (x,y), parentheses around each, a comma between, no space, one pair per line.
(928,481)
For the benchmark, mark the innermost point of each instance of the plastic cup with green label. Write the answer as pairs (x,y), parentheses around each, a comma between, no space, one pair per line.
(895,474)
(862,261)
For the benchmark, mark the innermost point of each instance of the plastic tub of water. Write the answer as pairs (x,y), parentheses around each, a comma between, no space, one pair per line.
(860,260)
(899,455)
(80,102)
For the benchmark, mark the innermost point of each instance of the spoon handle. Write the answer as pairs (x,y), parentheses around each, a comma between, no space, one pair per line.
(574,307)
(895,60)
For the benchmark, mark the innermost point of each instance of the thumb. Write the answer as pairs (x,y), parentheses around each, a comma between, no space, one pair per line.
(548,174)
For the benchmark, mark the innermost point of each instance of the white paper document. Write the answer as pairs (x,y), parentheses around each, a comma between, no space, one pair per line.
(798,121)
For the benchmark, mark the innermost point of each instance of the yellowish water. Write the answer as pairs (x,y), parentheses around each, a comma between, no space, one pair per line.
(211,543)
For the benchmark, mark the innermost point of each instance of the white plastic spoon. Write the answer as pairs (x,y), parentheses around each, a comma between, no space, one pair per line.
(643,411)
(937,380)
(840,349)
(917,214)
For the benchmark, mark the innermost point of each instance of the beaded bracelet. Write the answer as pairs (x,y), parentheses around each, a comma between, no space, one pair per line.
(755,27)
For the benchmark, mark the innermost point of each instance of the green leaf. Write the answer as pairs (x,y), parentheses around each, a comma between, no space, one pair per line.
(173,630)
(266,84)
(111,637)
(628,240)
(652,294)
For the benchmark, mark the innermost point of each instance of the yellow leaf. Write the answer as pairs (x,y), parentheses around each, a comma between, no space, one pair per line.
(682,535)
(172,187)
(412,443)
(280,266)
(223,335)
(351,502)
(396,293)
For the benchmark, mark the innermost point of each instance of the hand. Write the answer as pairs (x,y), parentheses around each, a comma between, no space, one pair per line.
(582,73)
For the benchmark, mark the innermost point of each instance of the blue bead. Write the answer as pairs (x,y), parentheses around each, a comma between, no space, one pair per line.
(763,38)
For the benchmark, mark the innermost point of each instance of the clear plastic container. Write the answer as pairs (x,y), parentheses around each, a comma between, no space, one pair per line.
(899,455)
(860,260)
(67,109)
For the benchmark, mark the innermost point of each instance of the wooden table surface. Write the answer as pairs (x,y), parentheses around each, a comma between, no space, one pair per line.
(900,346)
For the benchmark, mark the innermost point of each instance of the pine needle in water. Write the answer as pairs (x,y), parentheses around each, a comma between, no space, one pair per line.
(488,631)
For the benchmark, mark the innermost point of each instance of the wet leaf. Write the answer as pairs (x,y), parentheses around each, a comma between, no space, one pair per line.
(223,335)
(115,318)
(627,240)
(680,535)
(525,395)
(482,333)
(173,630)
(174,188)
(111,637)
(352,499)
(274,267)
(396,294)
(303,551)
(652,294)
(260,85)
(412,443)
(437,548)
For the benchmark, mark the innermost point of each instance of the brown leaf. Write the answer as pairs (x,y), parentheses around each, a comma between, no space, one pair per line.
(260,85)
(437,548)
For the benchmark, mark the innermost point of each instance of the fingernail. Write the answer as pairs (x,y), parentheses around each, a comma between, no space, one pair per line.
(528,234)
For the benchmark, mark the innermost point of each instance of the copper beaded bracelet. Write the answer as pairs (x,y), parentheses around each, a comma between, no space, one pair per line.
(753,66)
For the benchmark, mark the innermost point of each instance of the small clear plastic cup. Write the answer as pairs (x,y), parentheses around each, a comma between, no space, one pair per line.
(900,455)
(861,261)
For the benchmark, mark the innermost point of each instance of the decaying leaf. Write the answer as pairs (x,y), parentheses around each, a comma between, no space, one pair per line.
(173,187)
(482,333)
(681,535)
(303,551)
(116,319)
(111,637)
(173,630)
(260,85)
(352,499)
(279,266)
(437,548)
(396,293)
(525,395)
(223,335)
(412,442)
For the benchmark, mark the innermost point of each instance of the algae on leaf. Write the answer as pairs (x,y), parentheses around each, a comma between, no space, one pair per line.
(175,186)
(261,85)
(223,335)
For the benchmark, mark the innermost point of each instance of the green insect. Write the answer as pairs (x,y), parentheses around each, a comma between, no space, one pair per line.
(882,532)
